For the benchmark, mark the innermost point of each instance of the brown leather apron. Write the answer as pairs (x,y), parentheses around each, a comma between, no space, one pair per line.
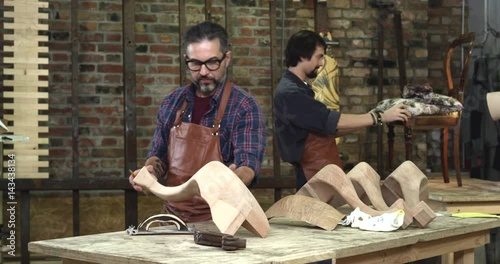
(190,147)
(319,151)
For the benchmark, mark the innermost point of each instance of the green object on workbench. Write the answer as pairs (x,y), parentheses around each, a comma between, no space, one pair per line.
(475,215)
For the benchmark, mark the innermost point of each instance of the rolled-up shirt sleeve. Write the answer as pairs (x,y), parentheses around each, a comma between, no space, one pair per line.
(308,113)
(250,138)
(159,143)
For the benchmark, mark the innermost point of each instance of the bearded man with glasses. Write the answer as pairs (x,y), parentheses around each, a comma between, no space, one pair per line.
(209,119)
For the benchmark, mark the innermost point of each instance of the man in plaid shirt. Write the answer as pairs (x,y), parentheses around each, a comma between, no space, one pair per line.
(241,134)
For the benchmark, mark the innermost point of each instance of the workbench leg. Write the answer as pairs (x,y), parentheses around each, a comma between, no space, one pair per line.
(447,258)
(492,249)
(464,256)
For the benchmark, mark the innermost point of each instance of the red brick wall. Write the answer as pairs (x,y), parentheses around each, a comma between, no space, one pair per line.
(157,56)
(352,22)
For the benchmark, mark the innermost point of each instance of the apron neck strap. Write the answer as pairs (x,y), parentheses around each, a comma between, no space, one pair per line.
(220,112)
(223,103)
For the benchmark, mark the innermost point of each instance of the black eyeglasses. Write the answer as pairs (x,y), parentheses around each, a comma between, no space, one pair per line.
(211,64)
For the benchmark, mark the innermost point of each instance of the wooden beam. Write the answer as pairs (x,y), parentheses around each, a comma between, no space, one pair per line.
(130,133)
(182,29)
(75,74)
(321,21)
(229,30)
(275,71)
(208,10)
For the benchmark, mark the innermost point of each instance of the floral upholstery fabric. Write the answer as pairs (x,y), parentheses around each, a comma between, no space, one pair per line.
(422,101)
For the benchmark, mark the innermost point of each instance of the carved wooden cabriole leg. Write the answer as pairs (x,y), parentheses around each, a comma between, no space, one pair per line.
(408,182)
(331,182)
(231,203)
(366,182)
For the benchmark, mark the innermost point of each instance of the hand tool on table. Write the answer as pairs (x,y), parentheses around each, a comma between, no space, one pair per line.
(216,239)
(207,238)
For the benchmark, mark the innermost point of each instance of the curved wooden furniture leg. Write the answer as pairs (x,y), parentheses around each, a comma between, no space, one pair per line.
(444,156)
(331,181)
(307,209)
(231,203)
(408,182)
(366,181)
(456,152)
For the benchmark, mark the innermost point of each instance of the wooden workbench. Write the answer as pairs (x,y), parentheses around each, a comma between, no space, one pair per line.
(287,242)
(474,196)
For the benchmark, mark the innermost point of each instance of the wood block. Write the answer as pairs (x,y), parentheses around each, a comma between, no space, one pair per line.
(26,4)
(231,203)
(422,214)
(19,27)
(33,105)
(306,209)
(36,72)
(26,60)
(33,39)
(23,83)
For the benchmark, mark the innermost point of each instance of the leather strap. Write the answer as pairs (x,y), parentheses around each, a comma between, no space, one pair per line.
(222,107)
(180,112)
(220,112)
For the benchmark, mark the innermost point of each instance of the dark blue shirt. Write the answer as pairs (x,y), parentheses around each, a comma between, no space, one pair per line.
(296,113)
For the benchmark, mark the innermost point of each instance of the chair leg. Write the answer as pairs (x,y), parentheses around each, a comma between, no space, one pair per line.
(408,142)
(444,156)
(390,142)
(456,153)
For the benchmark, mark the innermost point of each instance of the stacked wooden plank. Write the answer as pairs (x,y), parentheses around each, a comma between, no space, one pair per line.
(21,86)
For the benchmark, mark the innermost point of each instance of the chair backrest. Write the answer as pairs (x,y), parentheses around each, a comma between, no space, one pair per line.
(462,39)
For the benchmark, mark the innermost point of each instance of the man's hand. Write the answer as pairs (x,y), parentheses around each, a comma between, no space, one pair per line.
(131,178)
(245,174)
(398,112)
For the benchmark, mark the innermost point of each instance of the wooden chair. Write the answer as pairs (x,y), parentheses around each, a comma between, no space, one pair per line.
(428,122)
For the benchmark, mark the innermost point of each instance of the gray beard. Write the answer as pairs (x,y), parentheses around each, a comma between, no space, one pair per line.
(207,89)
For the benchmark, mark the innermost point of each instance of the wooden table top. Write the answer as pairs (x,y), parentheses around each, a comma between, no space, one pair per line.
(287,241)
(473,190)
